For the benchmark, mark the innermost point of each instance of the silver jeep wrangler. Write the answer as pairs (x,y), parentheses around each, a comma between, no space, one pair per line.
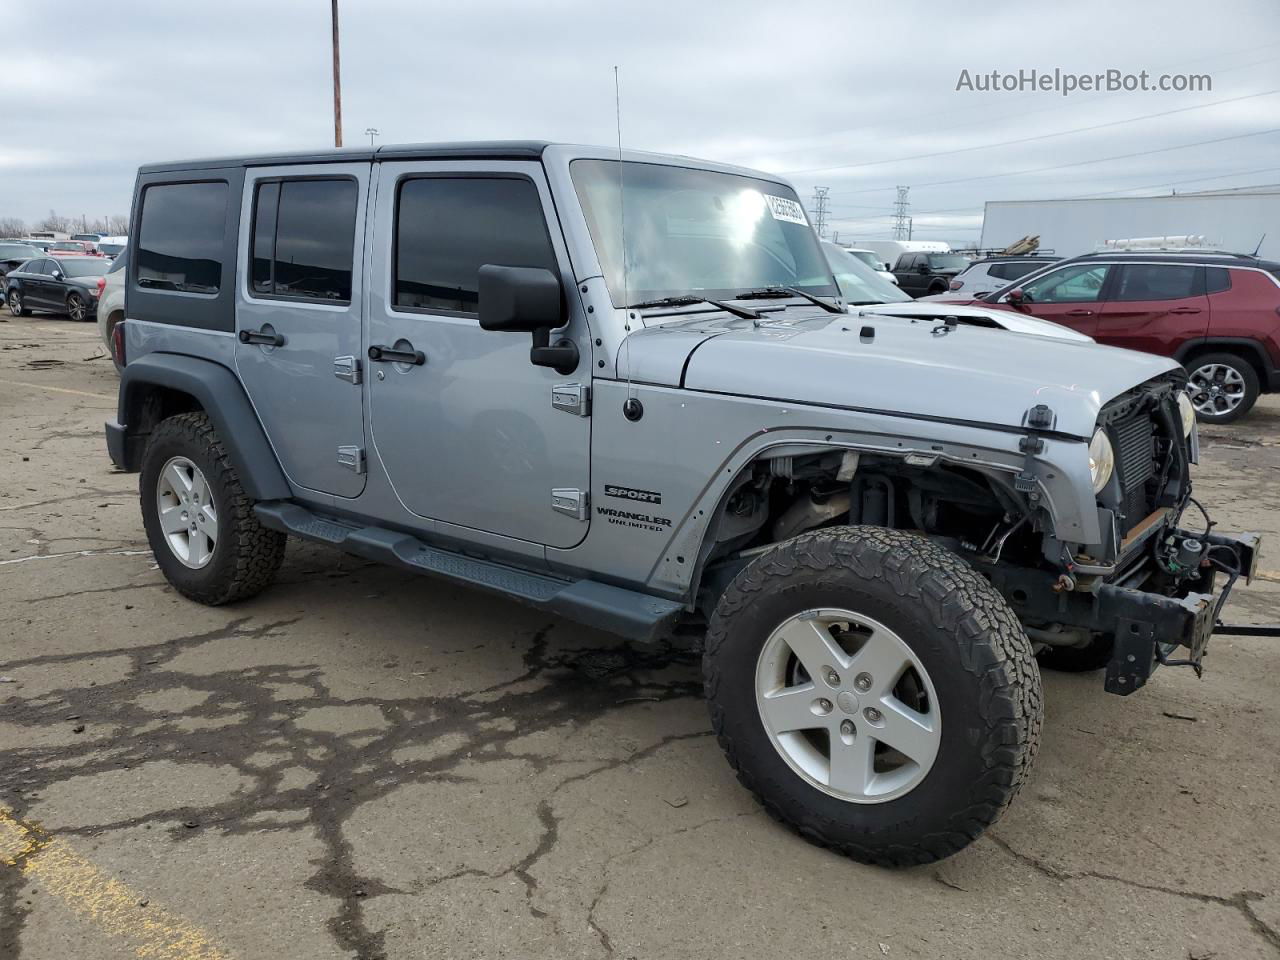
(625,389)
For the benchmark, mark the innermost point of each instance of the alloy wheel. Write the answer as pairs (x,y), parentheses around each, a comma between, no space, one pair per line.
(75,307)
(188,516)
(1216,389)
(15,303)
(848,705)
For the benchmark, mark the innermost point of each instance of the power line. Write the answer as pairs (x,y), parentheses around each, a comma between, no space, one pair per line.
(1043,136)
(1079,163)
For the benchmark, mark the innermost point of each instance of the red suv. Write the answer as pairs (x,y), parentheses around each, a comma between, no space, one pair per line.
(1216,314)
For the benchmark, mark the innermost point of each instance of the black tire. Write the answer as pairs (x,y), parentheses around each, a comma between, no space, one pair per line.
(1243,368)
(246,555)
(114,319)
(15,304)
(937,288)
(76,305)
(1077,659)
(960,628)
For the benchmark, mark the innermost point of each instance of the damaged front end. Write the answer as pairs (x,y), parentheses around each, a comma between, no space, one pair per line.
(1150,593)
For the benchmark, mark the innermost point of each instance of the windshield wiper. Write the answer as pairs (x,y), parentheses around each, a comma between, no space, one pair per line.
(685,301)
(787,292)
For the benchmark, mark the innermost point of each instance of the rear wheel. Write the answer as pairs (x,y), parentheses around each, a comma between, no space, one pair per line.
(1223,387)
(76,308)
(16,306)
(875,693)
(199,520)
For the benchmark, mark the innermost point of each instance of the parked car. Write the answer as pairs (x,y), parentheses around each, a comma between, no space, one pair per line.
(82,248)
(879,519)
(995,273)
(887,252)
(111,306)
(112,246)
(69,285)
(871,260)
(14,255)
(866,294)
(91,237)
(1216,314)
(924,274)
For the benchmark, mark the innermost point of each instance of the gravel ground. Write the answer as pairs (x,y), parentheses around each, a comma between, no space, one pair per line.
(361,763)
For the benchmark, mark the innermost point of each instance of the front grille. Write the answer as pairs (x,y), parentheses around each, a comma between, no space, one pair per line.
(1134,439)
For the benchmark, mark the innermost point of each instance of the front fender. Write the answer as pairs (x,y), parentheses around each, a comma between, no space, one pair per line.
(216,391)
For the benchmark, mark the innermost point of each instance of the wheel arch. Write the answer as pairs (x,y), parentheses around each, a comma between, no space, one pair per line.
(1249,350)
(161,385)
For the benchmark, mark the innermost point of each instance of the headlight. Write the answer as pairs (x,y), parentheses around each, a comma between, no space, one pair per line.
(1188,413)
(1102,460)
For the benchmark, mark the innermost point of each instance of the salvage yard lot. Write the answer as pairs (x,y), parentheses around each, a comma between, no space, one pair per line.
(362,763)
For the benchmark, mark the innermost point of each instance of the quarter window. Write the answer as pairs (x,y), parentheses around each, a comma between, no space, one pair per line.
(1156,281)
(447,228)
(1081,283)
(304,239)
(180,240)
(1217,279)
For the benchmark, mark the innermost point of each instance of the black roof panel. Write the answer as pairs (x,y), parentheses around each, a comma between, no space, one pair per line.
(480,149)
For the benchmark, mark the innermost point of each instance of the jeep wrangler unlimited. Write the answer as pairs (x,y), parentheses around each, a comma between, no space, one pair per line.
(625,389)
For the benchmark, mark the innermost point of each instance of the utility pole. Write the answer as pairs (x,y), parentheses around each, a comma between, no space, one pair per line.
(820,210)
(901,222)
(337,80)
(371,132)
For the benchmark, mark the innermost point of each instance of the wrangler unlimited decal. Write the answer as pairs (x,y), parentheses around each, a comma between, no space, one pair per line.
(624,518)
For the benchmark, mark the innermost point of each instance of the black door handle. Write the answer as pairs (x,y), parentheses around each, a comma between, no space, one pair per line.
(262,339)
(380,354)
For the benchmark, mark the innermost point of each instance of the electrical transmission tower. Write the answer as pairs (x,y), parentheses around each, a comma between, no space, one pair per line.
(901,222)
(819,211)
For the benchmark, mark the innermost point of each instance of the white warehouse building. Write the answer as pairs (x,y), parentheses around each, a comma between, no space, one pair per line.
(1233,220)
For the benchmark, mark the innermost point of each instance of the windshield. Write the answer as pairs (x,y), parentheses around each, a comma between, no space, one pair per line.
(696,232)
(88,267)
(68,245)
(17,251)
(867,257)
(947,261)
(111,249)
(858,282)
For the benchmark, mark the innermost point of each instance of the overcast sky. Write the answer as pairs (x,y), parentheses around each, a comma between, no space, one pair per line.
(846,94)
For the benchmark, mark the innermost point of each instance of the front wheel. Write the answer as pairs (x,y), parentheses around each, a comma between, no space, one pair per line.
(16,306)
(874,692)
(199,521)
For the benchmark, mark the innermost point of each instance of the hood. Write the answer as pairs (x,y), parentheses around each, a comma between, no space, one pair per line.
(972,315)
(968,374)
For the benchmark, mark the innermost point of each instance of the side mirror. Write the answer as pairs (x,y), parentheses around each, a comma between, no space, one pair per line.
(528,300)
(1015,296)
(57,274)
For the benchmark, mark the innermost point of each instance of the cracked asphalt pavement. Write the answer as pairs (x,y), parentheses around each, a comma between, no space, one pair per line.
(361,763)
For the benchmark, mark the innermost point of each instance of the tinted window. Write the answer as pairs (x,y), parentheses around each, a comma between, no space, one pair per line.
(304,239)
(947,261)
(1012,271)
(1217,279)
(40,266)
(1155,281)
(906,261)
(181,237)
(447,228)
(1081,283)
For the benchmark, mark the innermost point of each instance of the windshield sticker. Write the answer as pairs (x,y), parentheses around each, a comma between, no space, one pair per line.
(784,209)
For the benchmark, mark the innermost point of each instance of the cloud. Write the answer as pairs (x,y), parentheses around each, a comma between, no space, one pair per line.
(777,86)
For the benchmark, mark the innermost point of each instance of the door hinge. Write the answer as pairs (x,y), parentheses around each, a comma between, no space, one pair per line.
(572,398)
(572,502)
(351,457)
(347,368)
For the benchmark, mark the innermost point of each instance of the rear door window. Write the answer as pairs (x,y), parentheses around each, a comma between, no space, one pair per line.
(1156,281)
(304,239)
(180,240)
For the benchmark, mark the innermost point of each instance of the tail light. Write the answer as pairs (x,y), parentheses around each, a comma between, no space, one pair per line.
(117,342)
(102,284)
(957,284)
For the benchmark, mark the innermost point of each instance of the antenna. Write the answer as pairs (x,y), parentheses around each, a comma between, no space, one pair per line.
(1259,246)
(622,231)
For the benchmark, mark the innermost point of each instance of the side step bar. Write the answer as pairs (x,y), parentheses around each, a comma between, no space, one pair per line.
(636,616)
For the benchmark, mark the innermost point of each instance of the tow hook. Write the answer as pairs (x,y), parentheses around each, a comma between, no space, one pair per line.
(1064,584)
